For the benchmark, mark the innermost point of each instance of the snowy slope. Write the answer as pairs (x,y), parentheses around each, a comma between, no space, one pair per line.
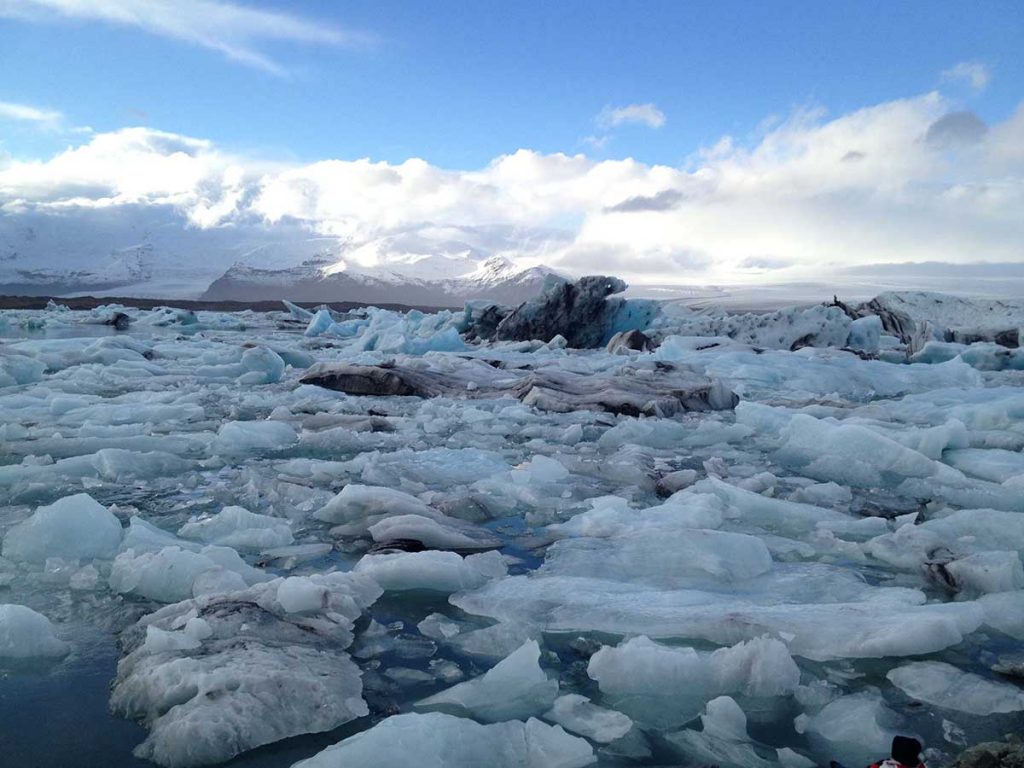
(495,279)
(153,251)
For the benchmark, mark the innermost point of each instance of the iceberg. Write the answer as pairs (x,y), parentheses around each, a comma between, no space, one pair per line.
(515,689)
(73,528)
(25,634)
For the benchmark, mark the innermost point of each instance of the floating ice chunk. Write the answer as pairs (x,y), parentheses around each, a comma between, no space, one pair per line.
(494,642)
(434,533)
(168,576)
(985,356)
(515,689)
(964,531)
(436,740)
(724,719)
(865,334)
(241,529)
(207,709)
(436,571)
(820,616)
(991,464)
(296,312)
(866,458)
(854,729)
(74,528)
(319,323)
(943,685)
(576,714)
(823,495)
(988,572)
(540,469)
(667,686)
(438,626)
(724,739)
(1005,611)
(238,671)
(262,366)
(143,536)
(116,464)
(25,634)
(18,369)
(236,438)
(759,667)
(777,515)
(356,502)
(661,557)
(932,442)
(611,516)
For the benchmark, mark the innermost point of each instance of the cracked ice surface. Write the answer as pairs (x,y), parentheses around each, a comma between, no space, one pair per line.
(517,553)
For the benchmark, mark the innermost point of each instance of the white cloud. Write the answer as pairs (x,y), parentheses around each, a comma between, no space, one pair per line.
(234,30)
(23,112)
(810,195)
(644,114)
(973,73)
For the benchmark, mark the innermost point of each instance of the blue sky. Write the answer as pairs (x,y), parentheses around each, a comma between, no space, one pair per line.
(661,141)
(458,83)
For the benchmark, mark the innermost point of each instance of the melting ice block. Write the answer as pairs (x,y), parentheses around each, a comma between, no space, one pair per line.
(223,673)
(724,740)
(436,740)
(577,714)
(833,620)
(25,634)
(172,573)
(262,366)
(434,533)
(73,528)
(661,557)
(357,502)
(514,689)
(667,686)
(237,438)
(943,685)
(239,528)
(437,571)
(855,729)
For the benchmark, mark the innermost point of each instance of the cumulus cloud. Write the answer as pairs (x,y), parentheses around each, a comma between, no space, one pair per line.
(236,31)
(974,74)
(813,194)
(642,114)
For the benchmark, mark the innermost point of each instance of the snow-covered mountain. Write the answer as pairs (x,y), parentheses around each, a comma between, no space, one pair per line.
(153,251)
(495,279)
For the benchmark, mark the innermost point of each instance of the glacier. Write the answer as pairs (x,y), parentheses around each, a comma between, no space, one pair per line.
(585,529)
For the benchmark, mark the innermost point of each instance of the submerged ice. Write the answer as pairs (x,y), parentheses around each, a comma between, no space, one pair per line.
(588,530)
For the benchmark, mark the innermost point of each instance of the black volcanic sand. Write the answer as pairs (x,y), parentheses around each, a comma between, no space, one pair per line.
(91,302)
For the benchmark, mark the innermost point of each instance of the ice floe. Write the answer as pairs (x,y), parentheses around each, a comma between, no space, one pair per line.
(587,529)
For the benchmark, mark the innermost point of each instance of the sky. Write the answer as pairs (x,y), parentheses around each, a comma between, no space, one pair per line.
(670,141)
